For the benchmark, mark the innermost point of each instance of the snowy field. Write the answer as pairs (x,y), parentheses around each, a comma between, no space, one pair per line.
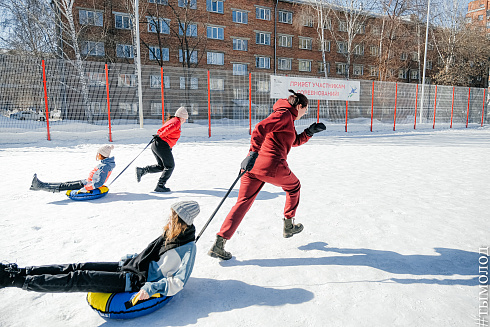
(393,226)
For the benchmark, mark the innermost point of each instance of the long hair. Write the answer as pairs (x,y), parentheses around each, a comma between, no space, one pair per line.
(169,117)
(297,99)
(174,227)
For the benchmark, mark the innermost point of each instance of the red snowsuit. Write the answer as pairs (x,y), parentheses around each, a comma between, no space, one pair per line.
(272,138)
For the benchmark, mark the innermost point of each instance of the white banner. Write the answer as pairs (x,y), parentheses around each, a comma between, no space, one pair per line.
(315,88)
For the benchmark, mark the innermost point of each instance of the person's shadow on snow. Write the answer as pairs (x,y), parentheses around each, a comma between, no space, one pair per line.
(203,296)
(120,196)
(447,262)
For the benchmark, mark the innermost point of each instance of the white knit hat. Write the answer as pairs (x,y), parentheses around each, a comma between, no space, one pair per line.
(182,113)
(105,150)
(187,210)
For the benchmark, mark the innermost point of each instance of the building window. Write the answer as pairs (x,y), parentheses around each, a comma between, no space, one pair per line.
(263,38)
(285,40)
(480,17)
(341,47)
(240,44)
(155,81)
(98,108)
(342,26)
(183,56)
(191,30)
(95,79)
(91,17)
(240,69)
(194,83)
(160,2)
(158,25)
(214,6)
(415,56)
(402,74)
(240,94)
(375,30)
(305,43)
(263,62)
(340,68)
(403,56)
(360,29)
(373,71)
(262,13)
(123,21)
(374,50)
(308,21)
(285,17)
(128,108)
(216,84)
(215,32)
(284,63)
(156,108)
(430,47)
(359,49)
(240,16)
(91,48)
(414,74)
(321,67)
(216,58)
(188,4)
(304,65)
(159,54)
(358,70)
(326,45)
(429,64)
(126,80)
(327,24)
(124,51)
(263,86)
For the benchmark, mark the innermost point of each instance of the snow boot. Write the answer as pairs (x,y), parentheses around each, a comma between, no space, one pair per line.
(11,275)
(161,188)
(218,249)
(37,185)
(290,228)
(140,172)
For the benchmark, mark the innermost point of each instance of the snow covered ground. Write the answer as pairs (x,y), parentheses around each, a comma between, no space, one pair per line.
(393,226)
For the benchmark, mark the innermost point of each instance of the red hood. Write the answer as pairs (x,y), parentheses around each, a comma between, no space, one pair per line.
(283,104)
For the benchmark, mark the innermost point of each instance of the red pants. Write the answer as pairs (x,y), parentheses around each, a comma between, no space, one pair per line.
(250,186)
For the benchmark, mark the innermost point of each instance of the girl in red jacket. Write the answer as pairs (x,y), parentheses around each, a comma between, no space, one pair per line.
(164,141)
(271,141)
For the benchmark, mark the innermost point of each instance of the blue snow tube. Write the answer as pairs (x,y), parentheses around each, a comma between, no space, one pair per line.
(120,306)
(94,194)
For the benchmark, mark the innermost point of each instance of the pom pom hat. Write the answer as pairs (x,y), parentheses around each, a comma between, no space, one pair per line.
(187,210)
(105,150)
(182,113)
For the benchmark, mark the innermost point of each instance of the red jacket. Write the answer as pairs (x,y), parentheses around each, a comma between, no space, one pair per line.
(273,138)
(170,131)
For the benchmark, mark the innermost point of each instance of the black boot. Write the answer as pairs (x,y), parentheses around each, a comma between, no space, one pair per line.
(140,172)
(218,249)
(37,185)
(163,179)
(161,188)
(290,228)
(11,275)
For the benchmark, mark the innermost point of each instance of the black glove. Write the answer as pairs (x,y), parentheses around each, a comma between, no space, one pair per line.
(315,128)
(155,137)
(249,161)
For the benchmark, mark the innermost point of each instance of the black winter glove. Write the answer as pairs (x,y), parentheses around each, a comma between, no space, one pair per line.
(249,161)
(315,128)
(155,137)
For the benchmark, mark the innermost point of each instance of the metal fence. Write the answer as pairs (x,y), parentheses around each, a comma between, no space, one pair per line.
(96,96)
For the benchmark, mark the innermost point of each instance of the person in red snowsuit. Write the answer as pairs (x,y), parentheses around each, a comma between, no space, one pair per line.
(163,142)
(271,142)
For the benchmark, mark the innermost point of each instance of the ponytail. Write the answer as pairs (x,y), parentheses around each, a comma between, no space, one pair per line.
(297,99)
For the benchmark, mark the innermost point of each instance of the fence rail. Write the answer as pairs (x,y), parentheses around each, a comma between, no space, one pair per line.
(59,95)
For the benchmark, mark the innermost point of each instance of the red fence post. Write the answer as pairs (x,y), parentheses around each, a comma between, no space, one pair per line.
(468,110)
(46,100)
(483,108)
(209,107)
(108,102)
(452,110)
(318,112)
(346,113)
(249,103)
(372,106)
(163,96)
(416,98)
(396,98)
(435,105)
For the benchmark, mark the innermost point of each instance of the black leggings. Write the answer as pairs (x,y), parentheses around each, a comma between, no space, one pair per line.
(104,277)
(165,160)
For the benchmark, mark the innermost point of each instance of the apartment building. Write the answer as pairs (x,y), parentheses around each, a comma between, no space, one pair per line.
(479,14)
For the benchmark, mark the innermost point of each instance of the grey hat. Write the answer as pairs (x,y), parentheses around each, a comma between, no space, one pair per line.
(187,210)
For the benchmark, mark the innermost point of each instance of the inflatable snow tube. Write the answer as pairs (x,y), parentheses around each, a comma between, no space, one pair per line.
(119,305)
(94,194)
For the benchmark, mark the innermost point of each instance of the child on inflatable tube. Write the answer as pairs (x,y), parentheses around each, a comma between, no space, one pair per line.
(97,177)
(164,266)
